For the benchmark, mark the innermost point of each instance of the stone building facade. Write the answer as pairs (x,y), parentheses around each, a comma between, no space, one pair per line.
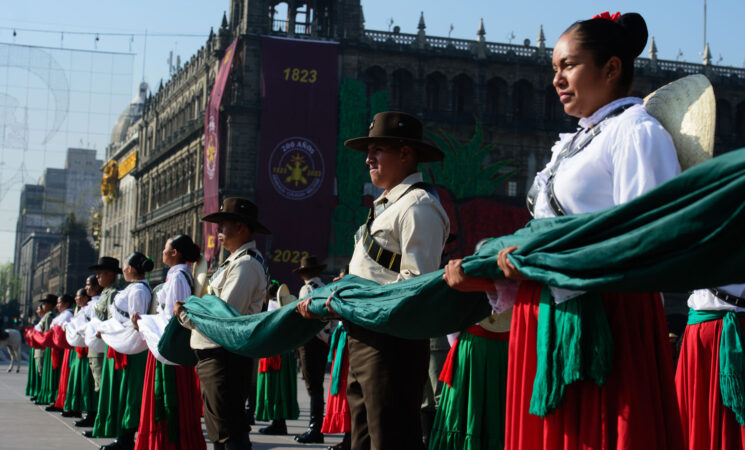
(446,82)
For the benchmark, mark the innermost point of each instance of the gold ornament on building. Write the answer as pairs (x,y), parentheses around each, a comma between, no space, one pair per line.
(109,181)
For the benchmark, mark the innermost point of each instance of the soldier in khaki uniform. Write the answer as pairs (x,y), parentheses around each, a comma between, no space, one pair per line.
(240,281)
(403,238)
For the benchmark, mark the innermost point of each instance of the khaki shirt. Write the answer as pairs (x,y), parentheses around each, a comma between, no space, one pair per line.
(413,225)
(102,305)
(241,282)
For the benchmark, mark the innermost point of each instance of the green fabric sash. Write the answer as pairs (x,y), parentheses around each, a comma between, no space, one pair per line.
(336,353)
(174,344)
(731,358)
(574,343)
(166,398)
(652,243)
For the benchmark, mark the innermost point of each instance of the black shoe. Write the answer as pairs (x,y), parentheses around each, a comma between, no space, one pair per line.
(37,402)
(71,414)
(52,408)
(88,433)
(312,436)
(32,399)
(119,444)
(277,427)
(89,420)
(345,444)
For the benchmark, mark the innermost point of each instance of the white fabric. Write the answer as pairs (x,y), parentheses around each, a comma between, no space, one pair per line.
(135,298)
(91,340)
(118,332)
(413,225)
(704,300)
(75,328)
(272,304)
(122,337)
(176,288)
(630,156)
(62,318)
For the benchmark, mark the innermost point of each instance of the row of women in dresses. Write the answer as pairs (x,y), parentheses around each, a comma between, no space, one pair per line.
(141,393)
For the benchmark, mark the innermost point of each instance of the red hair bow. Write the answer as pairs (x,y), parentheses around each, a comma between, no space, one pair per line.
(606,15)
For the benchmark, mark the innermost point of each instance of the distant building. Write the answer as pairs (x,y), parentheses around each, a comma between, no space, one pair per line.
(44,208)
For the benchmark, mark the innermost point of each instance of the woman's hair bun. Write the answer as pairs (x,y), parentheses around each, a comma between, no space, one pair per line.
(636,30)
(140,262)
(183,244)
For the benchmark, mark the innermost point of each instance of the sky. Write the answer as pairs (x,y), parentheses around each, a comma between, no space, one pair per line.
(181,27)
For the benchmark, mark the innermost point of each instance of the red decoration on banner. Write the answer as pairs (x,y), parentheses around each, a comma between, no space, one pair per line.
(211,181)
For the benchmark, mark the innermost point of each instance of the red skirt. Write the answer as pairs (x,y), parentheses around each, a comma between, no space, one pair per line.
(635,409)
(152,435)
(338,418)
(707,423)
(64,377)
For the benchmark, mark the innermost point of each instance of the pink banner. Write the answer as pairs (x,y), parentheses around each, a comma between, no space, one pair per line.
(211,182)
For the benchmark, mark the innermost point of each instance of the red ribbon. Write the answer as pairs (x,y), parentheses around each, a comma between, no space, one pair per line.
(271,364)
(606,15)
(448,369)
(56,358)
(120,359)
(82,352)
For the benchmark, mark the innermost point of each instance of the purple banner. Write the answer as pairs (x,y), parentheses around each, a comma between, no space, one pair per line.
(297,159)
(211,182)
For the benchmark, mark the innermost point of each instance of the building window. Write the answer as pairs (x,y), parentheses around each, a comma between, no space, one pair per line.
(512,188)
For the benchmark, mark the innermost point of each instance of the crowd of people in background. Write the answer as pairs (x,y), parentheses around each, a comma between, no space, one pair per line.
(96,355)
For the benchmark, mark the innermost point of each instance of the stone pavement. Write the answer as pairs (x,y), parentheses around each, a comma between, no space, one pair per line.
(24,425)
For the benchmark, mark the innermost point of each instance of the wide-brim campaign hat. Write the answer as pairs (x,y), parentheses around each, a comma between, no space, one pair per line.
(284,297)
(687,109)
(107,263)
(50,299)
(309,264)
(240,209)
(393,127)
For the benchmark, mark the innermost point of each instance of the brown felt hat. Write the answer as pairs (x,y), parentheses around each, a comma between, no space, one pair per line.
(240,209)
(107,263)
(393,127)
(308,264)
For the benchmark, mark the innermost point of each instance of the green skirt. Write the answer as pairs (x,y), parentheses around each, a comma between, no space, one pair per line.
(130,394)
(49,379)
(276,391)
(33,380)
(120,397)
(472,411)
(81,395)
(107,420)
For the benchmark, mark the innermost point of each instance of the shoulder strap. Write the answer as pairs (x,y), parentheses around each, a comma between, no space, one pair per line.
(257,256)
(386,258)
(189,279)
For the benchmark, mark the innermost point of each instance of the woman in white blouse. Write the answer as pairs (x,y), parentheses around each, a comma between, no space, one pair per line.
(122,419)
(181,401)
(618,153)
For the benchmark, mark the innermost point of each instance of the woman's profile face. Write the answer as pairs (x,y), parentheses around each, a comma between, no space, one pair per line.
(582,86)
(170,255)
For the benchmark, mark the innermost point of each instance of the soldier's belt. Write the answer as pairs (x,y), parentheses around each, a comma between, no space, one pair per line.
(386,258)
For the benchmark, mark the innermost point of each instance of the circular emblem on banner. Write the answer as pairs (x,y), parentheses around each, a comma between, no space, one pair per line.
(296,168)
(210,153)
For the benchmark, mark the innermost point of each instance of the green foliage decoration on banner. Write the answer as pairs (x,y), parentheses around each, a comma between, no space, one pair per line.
(354,120)
(463,171)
